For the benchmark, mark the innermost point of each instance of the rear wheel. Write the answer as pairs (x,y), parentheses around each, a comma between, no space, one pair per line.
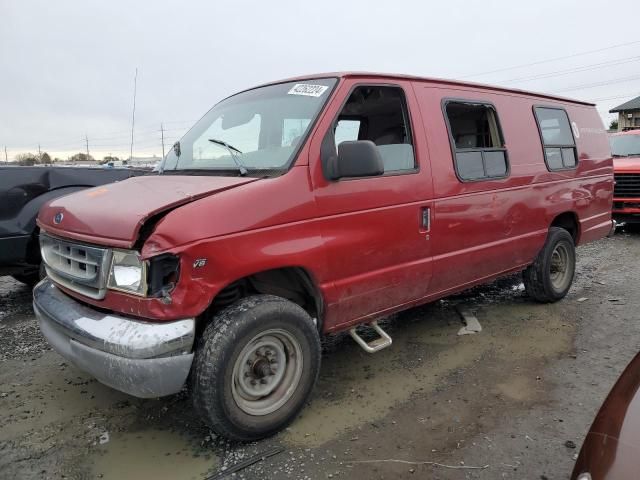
(549,278)
(256,364)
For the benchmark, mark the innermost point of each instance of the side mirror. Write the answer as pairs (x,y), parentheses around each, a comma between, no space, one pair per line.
(358,159)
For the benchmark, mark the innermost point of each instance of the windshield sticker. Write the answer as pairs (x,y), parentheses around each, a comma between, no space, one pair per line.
(307,90)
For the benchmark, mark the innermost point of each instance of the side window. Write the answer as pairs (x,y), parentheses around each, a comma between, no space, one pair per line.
(477,140)
(557,138)
(379,114)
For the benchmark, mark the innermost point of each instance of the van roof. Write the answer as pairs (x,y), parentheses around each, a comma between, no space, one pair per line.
(433,80)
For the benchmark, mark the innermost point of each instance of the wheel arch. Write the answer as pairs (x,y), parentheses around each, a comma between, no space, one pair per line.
(294,283)
(568,221)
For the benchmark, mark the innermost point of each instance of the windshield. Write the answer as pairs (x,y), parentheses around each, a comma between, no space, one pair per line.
(625,145)
(256,130)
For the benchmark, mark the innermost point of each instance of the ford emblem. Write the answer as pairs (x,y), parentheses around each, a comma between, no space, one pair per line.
(58,218)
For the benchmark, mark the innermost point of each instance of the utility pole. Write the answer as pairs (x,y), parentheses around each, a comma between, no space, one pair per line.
(133,116)
(39,154)
(86,139)
(6,157)
(162,134)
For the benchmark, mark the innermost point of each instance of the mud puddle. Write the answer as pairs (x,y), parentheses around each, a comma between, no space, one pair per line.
(157,454)
(356,388)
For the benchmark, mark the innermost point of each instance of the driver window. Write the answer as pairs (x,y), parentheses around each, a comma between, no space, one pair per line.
(379,114)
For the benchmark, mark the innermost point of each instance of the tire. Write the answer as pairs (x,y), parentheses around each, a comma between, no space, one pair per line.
(31,278)
(262,339)
(550,276)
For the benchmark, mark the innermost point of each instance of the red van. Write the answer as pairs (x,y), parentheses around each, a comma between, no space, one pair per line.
(311,206)
(625,148)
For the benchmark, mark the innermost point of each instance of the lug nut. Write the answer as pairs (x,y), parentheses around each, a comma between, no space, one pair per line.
(246,374)
(253,382)
(263,381)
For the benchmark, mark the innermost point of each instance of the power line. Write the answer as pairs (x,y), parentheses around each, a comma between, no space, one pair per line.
(568,71)
(599,84)
(628,95)
(573,55)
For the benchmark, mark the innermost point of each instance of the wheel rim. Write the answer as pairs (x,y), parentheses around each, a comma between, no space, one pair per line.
(267,372)
(560,272)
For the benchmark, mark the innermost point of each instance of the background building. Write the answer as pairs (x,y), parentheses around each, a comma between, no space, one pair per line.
(628,114)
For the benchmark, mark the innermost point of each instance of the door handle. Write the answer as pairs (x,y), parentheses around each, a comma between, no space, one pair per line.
(425,218)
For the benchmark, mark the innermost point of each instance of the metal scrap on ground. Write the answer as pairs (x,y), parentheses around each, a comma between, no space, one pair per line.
(248,462)
(472,325)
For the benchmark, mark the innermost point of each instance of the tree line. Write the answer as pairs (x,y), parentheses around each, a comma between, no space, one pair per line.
(30,159)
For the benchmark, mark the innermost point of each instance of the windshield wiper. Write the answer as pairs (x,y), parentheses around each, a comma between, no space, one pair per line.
(618,155)
(232,150)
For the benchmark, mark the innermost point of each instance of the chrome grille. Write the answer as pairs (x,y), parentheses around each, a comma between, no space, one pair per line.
(78,267)
(627,185)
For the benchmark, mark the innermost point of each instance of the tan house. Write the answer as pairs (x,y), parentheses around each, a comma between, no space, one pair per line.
(628,115)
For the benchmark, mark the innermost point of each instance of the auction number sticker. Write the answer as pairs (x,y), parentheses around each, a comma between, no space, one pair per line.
(307,90)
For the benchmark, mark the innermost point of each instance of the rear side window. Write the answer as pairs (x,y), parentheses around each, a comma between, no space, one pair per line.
(557,138)
(476,140)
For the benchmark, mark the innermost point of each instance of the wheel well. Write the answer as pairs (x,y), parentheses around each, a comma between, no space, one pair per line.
(568,221)
(292,283)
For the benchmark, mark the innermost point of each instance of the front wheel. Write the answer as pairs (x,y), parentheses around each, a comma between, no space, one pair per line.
(256,364)
(549,278)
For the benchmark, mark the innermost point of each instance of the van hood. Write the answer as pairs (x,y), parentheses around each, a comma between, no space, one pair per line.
(113,214)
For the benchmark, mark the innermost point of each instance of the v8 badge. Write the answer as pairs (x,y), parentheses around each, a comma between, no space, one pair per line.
(199,262)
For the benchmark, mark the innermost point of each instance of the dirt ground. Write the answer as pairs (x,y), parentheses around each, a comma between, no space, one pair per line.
(497,404)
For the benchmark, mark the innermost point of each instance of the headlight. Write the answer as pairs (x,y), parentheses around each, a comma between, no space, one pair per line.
(128,273)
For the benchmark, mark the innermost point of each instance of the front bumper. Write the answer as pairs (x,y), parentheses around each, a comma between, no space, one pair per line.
(143,359)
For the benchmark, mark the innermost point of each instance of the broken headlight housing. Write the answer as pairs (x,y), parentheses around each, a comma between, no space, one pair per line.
(128,273)
(155,277)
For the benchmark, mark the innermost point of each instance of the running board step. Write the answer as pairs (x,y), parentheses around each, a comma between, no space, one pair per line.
(375,345)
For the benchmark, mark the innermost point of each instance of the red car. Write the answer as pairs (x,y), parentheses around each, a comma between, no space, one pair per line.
(311,206)
(612,445)
(625,148)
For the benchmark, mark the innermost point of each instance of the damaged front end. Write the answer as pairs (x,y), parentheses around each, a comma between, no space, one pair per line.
(122,315)
(143,359)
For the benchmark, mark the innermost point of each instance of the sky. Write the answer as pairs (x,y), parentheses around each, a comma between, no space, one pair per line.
(67,67)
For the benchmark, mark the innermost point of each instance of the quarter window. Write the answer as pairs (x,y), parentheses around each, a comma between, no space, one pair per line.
(347,130)
(477,141)
(557,138)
